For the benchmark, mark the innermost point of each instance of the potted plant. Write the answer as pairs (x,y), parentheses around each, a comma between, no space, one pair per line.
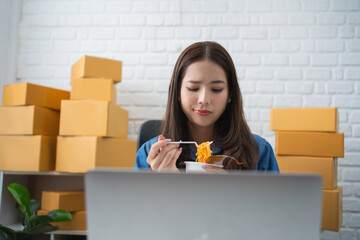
(32,223)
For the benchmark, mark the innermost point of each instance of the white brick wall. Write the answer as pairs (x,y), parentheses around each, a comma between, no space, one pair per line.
(288,53)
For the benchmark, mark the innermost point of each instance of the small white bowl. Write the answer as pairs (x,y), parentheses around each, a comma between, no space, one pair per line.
(198,166)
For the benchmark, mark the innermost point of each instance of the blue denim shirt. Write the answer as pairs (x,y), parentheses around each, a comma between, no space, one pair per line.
(266,161)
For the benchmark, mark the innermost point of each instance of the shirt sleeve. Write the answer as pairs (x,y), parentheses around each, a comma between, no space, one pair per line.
(142,154)
(266,160)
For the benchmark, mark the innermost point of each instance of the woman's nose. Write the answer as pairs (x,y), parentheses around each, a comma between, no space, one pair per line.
(204,97)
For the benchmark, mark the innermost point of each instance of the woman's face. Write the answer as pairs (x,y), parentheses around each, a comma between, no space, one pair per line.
(204,93)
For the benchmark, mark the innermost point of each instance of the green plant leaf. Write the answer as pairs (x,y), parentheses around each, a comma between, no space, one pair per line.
(34,206)
(6,233)
(35,220)
(22,196)
(24,220)
(32,223)
(43,228)
(21,235)
(3,236)
(60,216)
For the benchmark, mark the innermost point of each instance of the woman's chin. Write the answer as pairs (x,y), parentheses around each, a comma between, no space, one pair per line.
(203,124)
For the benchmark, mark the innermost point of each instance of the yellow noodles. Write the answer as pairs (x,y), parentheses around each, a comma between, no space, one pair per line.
(203,152)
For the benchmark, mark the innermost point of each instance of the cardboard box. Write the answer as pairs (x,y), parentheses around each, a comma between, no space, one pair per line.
(27,153)
(93,118)
(78,220)
(332,210)
(304,119)
(324,166)
(79,154)
(29,120)
(93,89)
(70,201)
(19,94)
(94,67)
(314,144)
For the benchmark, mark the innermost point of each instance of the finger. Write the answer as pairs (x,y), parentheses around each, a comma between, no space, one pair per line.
(176,156)
(167,159)
(155,148)
(155,163)
(161,137)
(166,149)
(160,158)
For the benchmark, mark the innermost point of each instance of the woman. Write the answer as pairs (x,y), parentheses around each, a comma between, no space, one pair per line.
(205,104)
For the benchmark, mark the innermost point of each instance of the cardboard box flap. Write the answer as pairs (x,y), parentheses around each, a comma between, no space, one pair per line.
(32,94)
(95,67)
(304,119)
(317,144)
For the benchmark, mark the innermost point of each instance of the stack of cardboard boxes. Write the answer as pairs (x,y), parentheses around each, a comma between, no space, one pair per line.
(71,201)
(93,129)
(29,124)
(307,141)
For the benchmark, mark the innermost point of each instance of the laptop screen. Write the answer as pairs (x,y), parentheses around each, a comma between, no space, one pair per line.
(241,205)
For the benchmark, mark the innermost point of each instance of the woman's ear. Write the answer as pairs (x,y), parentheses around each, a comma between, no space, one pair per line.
(229,100)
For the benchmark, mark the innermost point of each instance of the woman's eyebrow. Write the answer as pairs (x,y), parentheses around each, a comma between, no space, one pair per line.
(218,81)
(212,82)
(193,81)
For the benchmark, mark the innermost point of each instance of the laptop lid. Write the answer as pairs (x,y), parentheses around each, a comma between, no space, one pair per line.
(241,205)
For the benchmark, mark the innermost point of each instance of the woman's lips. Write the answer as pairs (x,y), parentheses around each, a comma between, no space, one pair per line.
(202,112)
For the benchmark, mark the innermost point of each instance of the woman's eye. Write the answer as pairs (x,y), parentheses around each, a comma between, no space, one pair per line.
(193,89)
(217,90)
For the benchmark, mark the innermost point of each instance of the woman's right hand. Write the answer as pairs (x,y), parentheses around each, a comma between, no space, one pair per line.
(163,155)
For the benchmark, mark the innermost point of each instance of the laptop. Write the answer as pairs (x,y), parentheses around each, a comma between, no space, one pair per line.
(201,206)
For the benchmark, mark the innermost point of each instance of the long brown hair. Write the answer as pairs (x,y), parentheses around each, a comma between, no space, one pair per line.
(233,133)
